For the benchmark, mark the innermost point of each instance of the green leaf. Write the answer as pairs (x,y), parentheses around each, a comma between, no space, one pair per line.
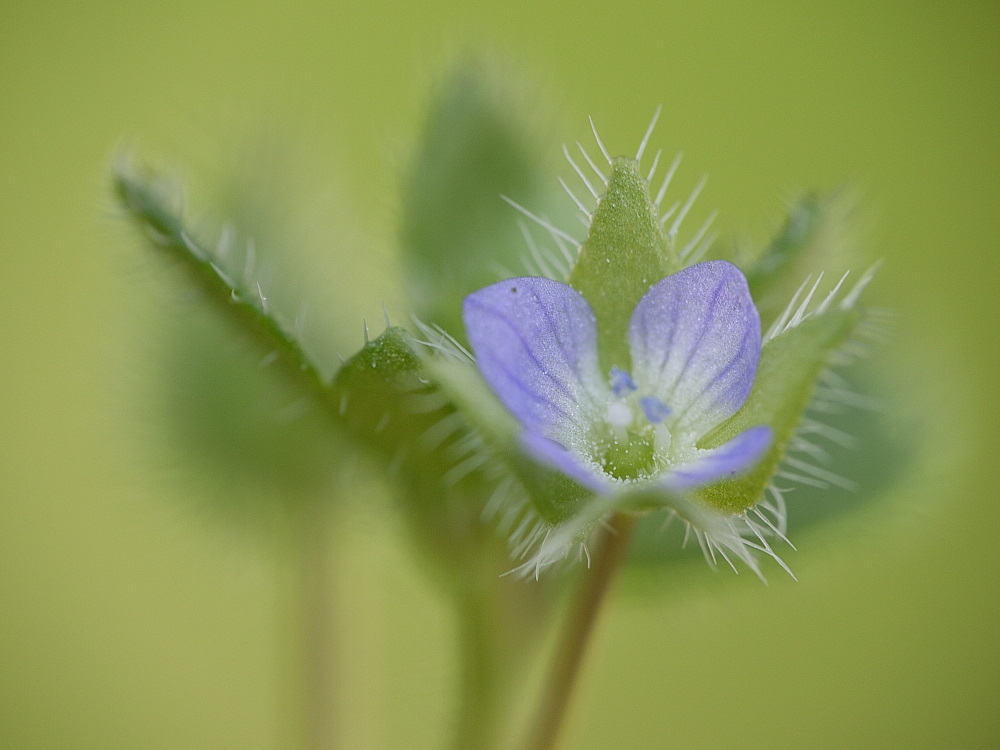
(457,233)
(625,253)
(793,238)
(242,401)
(790,366)
(241,419)
(818,235)
(154,203)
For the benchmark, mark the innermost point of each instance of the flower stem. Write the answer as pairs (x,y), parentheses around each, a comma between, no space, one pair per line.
(580,624)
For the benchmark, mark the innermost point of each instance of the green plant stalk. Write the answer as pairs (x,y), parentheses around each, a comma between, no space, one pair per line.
(483,695)
(572,646)
(317,663)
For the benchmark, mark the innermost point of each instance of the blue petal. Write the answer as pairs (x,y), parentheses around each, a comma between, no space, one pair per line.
(535,342)
(555,456)
(695,343)
(729,460)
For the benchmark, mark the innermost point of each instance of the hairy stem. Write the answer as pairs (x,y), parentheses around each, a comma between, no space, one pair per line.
(579,625)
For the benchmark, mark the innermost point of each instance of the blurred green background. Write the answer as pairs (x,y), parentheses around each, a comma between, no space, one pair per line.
(126,620)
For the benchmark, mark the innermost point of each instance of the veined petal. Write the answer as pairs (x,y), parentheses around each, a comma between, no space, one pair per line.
(535,342)
(555,456)
(725,462)
(695,343)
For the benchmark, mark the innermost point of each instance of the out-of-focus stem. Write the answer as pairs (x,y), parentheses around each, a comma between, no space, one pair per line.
(580,622)
(483,682)
(317,657)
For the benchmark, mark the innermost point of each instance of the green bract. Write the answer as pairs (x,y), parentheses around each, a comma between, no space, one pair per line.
(626,251)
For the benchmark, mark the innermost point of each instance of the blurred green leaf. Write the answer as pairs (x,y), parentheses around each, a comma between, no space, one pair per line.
(819,234)
(480,142)
(241,398)
(239,418)
(799,228)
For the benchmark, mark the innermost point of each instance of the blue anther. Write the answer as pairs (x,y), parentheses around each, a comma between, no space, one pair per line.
(621,382)
(654,409)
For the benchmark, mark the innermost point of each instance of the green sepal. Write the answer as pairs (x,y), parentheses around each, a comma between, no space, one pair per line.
(816,236)
(625,253)
(790,366)
(388,404)
(554,497)
(370,391)
(457,234)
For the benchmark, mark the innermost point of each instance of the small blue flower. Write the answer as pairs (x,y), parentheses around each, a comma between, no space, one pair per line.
(695,343)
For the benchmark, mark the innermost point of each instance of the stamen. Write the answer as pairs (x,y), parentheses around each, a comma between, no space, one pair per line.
(619,414)
(654,409)
(621,382)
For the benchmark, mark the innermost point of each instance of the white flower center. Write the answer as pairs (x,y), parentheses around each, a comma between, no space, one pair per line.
(620,414)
